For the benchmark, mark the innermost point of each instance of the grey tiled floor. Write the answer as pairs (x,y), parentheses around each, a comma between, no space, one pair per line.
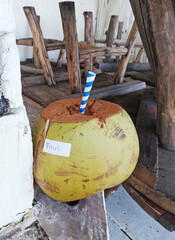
(127,220)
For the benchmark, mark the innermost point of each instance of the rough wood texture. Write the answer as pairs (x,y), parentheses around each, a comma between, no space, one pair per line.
(138,57)
(84,220)
(146,168)
(67,10)
(87,51)
(146,76)
(119,34)
(31,69)
(118,90)
(118,42)
(60,57)
(110,34)
(159,43)
(39,44)
(146,128)
(165,218)
(88,38)
(36,60)
(124,60)
(155,196)
(166,173)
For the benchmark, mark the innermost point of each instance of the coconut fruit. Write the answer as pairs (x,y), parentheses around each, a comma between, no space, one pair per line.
(75,155)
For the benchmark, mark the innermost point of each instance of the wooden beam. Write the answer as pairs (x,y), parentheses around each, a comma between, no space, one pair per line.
(88,38)
(67,10)
(124,60)
(110,34)
(159,42)
(39,44)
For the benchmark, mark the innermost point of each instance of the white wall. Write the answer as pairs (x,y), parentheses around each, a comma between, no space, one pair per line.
(16,157)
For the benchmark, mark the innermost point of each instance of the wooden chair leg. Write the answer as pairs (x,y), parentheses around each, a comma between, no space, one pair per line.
(119,35)
(67,10)
(110,34)
(60,57)
(40,47)
(124,60)
(138,57)
(89,39)
(36,60)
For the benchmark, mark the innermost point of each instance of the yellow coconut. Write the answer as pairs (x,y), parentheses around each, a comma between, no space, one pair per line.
(76,156)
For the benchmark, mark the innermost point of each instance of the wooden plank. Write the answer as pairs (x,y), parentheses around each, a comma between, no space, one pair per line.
(88,38)
(118,90)
(125,59)
(39,44)
(166,173)
(112,67)
(85,219)
(110,34)
(155,196)
(146,129)
(146,76)
(67,10)
(146,168)
(166,219)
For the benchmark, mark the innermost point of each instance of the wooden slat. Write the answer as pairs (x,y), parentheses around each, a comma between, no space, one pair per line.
(39,44)
(146,76)
(86,220)
(155,196)
(117,90)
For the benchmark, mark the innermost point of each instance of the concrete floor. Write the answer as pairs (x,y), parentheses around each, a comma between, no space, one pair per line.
(127,220)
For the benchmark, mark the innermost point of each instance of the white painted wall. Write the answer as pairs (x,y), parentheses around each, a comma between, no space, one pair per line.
(16,180)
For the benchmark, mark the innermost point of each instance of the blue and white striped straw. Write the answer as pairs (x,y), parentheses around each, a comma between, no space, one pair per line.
(87,90)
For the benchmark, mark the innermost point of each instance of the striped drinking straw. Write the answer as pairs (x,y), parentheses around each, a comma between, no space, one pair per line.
(87,90)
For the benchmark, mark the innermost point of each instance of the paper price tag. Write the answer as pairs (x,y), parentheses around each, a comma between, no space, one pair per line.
(57,148)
